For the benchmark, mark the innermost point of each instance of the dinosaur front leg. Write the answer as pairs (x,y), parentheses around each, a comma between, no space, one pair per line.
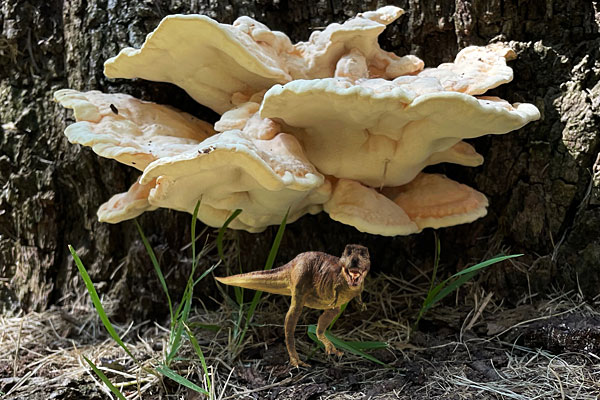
(324,321)
(291,319)
(362,305)
(335,297)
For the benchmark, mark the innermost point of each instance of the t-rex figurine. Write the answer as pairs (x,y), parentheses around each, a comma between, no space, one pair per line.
(313,279)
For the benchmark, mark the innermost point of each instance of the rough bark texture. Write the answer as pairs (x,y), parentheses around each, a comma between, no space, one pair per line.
(543,181)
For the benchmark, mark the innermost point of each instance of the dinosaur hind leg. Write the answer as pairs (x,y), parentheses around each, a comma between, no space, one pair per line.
(324,321)
(291,319)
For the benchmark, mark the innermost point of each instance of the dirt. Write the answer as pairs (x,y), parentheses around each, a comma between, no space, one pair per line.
(543,349)
(412,374)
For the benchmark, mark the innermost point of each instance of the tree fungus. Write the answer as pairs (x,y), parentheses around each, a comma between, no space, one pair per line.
(334,124)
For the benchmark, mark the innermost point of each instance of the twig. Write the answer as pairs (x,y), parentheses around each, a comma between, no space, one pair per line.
(17,347)
(482,307)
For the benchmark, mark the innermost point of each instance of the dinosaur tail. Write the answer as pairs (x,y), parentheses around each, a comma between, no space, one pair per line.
(272,281)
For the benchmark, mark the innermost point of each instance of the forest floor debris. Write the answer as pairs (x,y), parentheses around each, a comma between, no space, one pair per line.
(548,349)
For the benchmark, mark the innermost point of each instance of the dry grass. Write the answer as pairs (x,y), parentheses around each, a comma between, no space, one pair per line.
(535,375)
(470,351)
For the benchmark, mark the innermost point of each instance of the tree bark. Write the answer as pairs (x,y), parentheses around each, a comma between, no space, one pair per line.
(543,181)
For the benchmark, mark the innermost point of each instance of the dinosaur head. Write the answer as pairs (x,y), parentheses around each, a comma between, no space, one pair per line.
(355,264)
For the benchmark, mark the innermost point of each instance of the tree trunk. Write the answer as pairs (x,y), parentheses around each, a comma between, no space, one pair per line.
(543,181)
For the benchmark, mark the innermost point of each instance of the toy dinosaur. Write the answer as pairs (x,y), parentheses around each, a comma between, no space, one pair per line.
(313,279)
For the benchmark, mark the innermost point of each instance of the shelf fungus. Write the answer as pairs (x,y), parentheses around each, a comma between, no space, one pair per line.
(428,201)
(385,135)
(137,133)
(334,123)
(230,171)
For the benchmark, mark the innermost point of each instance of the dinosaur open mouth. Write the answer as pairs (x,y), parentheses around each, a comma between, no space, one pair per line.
(354,277)
(353,282)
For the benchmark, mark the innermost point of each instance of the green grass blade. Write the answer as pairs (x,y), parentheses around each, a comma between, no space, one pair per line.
(169,373)
(200,354)
(268,266)
(157,269)
(175,343)
(187,305)
(239,295)
(239,292)
(193,231)
(175,332)
(433,290)
(182,314)
(250,313)
(222,232)
(276,242)
(208,271)
(208,327)
(368,345)
(448,286)
(431,295)
(342,308)
(105,379)
(181,305)
(452,286)
(97,303)
(188,292)
(436,261)
(183,309)
(176,335)
(484,264)
(343,345)
(237,326)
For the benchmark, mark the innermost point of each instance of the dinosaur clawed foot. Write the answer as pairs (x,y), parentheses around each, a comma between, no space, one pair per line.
(330,349)
(296,362)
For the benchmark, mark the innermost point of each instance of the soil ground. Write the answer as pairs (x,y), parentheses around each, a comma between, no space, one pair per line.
(476,348)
